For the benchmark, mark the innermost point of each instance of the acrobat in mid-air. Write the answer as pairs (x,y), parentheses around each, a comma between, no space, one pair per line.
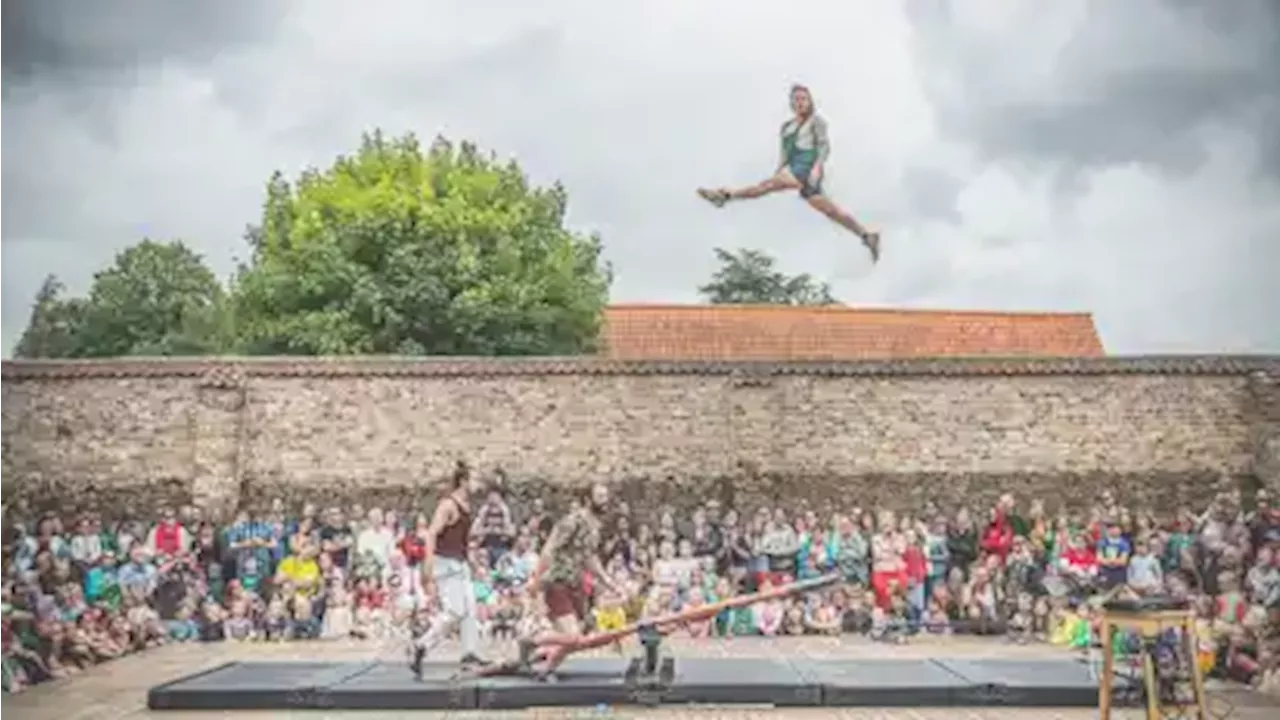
(805,147)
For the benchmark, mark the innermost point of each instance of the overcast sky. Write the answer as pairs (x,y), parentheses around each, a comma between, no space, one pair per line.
(1079,155)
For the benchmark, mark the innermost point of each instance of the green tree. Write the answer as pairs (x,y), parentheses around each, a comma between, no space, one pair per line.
(751,277)
(405,251)
(155,299)
(54,327)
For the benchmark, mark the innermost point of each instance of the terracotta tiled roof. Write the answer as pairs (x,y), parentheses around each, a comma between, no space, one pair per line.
(232,370)
(781,333)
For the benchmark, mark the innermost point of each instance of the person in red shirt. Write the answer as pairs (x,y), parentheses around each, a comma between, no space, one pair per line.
(414,543)
(1079,561)
(997,538)
(917,570)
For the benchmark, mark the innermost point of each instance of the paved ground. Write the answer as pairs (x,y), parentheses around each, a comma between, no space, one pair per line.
(117,690)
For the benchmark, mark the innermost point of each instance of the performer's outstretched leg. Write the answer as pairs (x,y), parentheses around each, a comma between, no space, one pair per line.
(823,204)
(784,180)
(456,596)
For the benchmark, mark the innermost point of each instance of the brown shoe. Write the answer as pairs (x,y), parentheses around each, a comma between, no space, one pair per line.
(872,241)
(715,197)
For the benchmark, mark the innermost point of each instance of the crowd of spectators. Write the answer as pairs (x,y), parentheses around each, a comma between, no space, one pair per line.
(80,591)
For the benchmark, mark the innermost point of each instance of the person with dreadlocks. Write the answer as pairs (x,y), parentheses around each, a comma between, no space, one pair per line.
(801,166)
(446,573)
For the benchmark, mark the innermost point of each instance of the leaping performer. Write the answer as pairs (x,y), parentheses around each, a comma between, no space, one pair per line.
(447,574)
(801,166)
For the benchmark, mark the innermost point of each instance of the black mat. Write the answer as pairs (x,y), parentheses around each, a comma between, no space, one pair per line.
(1026,683)
(250,686)
(388,685)
(883,683)
(592,682)
(580,682)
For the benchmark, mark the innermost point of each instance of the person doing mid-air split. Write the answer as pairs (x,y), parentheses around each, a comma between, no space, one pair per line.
(805,148)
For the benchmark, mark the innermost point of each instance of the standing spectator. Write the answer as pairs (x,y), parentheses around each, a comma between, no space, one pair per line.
(308,515)
(250,539)
(997,538)
(962,542)
(336,538)
(705,536)
(494,526)
(937,553)
(888,567)
(1113,556)
(779,545)
(413,544)
(376,542)
(734,559)
(851,551)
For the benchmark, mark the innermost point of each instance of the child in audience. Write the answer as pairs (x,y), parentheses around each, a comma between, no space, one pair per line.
(337,613)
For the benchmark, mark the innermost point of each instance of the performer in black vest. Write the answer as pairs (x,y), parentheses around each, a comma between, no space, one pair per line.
(447,574)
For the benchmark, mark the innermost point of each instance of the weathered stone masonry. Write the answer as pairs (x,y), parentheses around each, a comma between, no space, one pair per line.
(132,433)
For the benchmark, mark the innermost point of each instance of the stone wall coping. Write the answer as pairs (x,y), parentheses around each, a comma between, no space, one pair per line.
(383,366)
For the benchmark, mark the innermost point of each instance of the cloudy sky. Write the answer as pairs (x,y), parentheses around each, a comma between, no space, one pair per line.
(1081,155)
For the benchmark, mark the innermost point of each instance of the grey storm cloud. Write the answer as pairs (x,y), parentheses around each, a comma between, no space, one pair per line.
(1136,81)
(49,39)
(1114,157)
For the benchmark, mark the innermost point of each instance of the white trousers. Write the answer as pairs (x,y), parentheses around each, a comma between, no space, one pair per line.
(457,598)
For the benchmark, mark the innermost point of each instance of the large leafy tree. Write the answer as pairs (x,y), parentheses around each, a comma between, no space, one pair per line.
(52,331)
(397,249)
(752,277)
(157,298)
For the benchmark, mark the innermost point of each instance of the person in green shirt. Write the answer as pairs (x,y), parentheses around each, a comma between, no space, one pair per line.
(805,147)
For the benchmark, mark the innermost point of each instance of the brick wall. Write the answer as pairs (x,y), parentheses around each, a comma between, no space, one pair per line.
(130,434)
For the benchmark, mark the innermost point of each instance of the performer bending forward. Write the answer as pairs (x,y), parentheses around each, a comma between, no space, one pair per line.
(446,573)
(572,547)
(805,147)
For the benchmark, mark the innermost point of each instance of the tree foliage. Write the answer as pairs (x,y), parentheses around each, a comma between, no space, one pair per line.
(54,325)
(394,249)
(155,299)
(751,277)
(405,251)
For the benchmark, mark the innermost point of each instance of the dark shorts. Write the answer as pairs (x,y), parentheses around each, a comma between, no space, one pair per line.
(801,168)
(563,599)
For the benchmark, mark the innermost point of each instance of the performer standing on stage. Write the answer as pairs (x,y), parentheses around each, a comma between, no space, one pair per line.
(447,574)
(573,547)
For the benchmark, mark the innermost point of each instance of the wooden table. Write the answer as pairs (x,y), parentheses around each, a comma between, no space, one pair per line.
(1150,624)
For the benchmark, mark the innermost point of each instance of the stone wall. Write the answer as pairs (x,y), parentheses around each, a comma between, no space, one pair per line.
(130,434)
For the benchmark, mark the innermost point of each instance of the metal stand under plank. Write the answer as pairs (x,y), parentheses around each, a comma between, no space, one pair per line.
(649,677)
